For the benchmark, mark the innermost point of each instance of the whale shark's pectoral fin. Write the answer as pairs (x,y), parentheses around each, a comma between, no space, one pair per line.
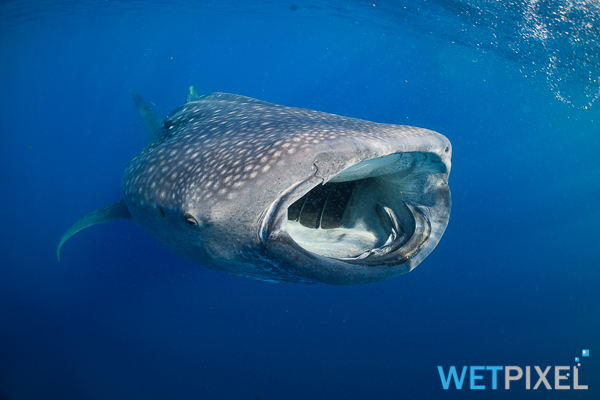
(151,119)
(192,94)
(116,210)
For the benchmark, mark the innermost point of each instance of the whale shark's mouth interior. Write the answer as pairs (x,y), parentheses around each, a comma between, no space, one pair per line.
(370,213)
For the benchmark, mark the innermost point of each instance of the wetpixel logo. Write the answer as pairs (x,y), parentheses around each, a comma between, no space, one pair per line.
(560,377)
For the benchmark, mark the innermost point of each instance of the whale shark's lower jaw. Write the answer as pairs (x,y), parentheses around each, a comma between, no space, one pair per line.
(377,219)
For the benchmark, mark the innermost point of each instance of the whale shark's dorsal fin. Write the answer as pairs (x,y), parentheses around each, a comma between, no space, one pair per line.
(151,119)
(116,210)
(192,94)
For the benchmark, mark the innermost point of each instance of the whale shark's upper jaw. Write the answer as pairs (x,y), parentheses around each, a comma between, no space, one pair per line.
(376,219)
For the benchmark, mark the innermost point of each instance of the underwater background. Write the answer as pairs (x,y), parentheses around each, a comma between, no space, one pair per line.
(514,281)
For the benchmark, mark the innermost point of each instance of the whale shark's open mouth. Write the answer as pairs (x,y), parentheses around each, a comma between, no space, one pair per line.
(376,212)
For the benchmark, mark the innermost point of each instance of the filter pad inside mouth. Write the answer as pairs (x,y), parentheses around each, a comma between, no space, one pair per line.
(368,212)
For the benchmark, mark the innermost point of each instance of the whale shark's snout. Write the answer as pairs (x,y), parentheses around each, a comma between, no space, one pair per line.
(377,218)
(286,194)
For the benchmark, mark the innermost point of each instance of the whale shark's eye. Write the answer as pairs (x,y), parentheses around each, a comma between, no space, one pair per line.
(190,220)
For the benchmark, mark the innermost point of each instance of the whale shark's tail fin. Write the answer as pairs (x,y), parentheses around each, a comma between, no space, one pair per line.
(151,119)
(116,210)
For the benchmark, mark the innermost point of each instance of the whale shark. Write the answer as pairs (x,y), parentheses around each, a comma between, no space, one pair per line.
(285,194)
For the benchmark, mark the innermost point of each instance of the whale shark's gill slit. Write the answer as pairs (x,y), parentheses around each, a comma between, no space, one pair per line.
(313,206)
(294,210)
(339,196)
(323,207)
(319,222)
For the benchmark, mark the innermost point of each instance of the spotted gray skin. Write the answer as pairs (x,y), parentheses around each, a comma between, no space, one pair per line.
(216,182)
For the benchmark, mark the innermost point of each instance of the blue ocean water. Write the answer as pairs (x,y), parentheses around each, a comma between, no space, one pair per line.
(513,282)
